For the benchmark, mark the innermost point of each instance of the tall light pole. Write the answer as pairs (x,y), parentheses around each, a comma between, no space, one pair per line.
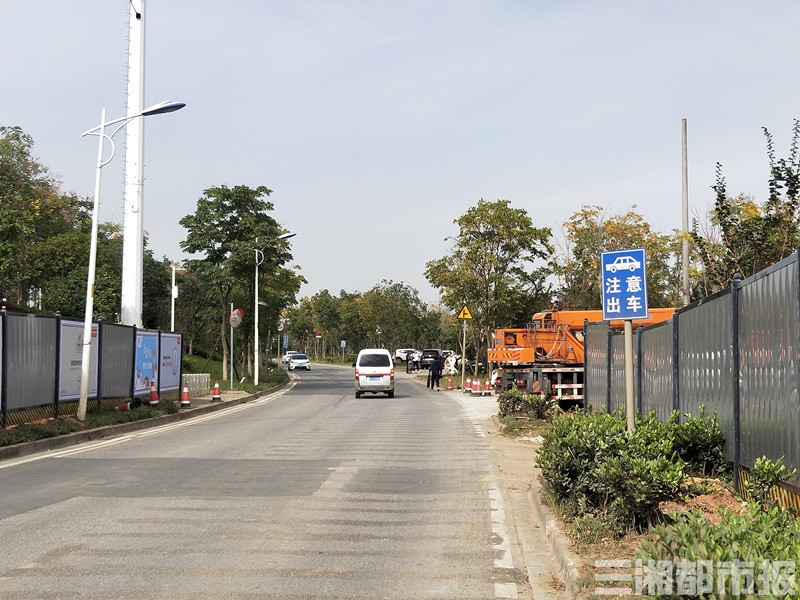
(100,132)
(260,259)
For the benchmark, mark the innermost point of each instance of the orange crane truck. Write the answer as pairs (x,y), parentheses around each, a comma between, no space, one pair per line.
(547,356)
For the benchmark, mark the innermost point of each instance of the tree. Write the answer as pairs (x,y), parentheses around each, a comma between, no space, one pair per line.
(33,212)
(226,226)
(588,233)
(492,265)
(395,309)
(744,237)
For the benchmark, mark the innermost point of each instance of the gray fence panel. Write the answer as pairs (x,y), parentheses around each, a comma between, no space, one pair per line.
(618,371)
(32,357)
(656,365)
(705,364)
(768,334)
(596,365)
(117,360)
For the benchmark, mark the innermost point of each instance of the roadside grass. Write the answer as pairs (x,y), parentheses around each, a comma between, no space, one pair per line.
(96,418)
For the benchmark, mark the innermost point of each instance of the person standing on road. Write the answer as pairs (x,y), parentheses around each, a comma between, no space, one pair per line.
(436,372)
(409,362)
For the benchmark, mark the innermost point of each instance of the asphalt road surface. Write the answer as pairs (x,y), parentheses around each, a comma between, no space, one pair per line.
(308,493)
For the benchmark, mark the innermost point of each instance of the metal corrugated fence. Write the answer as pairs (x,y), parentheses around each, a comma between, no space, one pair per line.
(734,352)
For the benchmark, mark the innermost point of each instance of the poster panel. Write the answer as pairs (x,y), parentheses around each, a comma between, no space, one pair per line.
(70,361)
(170,361)
(146,362)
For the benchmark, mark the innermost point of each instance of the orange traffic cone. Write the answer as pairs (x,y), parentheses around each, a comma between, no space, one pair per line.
(449,382)
(124,406)
(468,386)
(487,388)
(216,397)
(153,395)
(185,397)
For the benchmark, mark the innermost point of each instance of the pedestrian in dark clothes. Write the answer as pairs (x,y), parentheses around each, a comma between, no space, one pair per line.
(436,372)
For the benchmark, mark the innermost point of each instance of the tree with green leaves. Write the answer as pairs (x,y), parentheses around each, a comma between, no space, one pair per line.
(745,237)
(493,267)
(588,233)
(226,227)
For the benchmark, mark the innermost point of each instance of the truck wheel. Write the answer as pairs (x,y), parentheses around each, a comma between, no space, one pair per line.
(390,394)
(358,394)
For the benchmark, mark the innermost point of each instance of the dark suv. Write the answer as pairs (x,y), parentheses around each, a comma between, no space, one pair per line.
(428,357)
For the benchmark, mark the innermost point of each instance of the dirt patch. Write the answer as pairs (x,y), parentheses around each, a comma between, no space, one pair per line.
(714,497)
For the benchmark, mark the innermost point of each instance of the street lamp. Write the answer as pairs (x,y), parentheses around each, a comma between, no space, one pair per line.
(259,260)
(100,132)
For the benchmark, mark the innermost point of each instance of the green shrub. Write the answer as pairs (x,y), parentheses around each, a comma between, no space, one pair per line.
(701,444)
(754,536)
(764,476)
(513,402)
(590,465)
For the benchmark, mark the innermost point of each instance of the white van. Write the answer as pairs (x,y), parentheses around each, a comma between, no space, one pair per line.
(374,372)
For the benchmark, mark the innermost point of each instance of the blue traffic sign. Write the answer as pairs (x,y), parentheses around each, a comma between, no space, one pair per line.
(624,284)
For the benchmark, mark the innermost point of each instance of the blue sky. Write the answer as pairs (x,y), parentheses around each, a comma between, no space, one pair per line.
(377,123)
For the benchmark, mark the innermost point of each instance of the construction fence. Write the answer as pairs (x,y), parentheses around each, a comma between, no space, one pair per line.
(735,352)
(41,364)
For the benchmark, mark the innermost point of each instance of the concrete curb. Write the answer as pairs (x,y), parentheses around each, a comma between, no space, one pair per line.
(559,543)
(79,437)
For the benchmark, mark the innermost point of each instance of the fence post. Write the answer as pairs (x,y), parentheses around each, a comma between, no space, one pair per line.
(737,450)
(676,366)
(3,364)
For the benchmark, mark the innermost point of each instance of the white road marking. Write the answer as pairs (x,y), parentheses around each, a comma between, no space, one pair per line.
(88,447)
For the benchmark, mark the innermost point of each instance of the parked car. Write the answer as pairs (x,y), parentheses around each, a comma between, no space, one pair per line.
(299,361)
(428,356)
(374,372)
(285,357)
(402,354)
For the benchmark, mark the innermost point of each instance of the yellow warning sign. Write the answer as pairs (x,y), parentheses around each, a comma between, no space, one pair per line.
(465,314)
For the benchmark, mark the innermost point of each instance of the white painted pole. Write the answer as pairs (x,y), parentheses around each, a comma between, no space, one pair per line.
(132,225)
(255,317)
(86,355)
(174,294)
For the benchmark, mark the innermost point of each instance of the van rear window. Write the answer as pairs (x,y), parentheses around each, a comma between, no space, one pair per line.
(375,360)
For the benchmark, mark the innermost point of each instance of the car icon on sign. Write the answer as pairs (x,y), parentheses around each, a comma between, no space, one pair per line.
(622,263)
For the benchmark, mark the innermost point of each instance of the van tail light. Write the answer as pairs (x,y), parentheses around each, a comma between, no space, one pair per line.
(356,373)
(391,374)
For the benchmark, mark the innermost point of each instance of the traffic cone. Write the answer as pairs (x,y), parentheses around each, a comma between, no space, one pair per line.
(124,406)
(216,397)
(185,403)
(153,395)
(487,388)
(449,382)
(468,386)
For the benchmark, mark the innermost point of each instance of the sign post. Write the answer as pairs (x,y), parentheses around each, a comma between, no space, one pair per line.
(463,316)
(624,294)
